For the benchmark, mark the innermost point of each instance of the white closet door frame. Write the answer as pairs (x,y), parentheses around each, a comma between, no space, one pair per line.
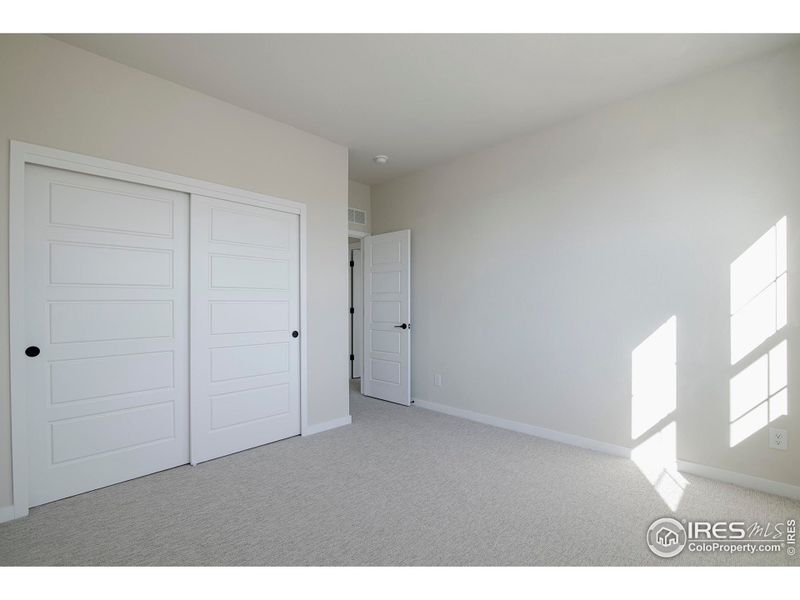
(23,153)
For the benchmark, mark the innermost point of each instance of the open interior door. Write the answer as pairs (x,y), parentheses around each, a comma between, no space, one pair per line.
(387,317)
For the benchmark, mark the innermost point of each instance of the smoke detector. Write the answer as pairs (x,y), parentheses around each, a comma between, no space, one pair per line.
(380,159)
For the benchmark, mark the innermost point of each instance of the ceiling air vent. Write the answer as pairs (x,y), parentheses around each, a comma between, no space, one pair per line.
(356,216)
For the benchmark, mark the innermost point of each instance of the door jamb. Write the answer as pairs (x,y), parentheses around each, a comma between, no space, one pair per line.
(21,154)
(360,235)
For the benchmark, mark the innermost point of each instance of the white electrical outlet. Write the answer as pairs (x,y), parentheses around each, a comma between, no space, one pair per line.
(778,438)
(437,380)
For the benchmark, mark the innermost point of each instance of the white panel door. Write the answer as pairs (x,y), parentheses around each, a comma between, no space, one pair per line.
(106,267)
(387,317)
(245,364)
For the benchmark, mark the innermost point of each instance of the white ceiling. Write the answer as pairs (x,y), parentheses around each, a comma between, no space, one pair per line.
(423,98)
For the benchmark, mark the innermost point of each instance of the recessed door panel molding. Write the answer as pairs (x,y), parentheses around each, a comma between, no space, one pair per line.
(385,251)
(386,282)
(95,435)
(387,317)
(92,208)
(239,362)
(386,341)
(108,392)
(387,311)
(248,317)
(247,406)
(247,272)
(90,264)
(104,376)
(386,371)
(89,321)
(244,307)
(240,227)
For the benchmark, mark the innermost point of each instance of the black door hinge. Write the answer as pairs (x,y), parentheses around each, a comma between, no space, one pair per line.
(352,357)
(352,264)
(352,310)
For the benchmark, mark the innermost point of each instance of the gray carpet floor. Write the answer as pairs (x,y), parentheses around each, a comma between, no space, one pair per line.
(400,486)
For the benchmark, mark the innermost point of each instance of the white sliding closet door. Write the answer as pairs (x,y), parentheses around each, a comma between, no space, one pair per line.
(245,355)
(106,292)
(158,329)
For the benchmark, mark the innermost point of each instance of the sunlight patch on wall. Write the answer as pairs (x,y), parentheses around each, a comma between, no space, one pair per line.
(653,378)
(759,301)
(759,292)
(654,400)
(759,394)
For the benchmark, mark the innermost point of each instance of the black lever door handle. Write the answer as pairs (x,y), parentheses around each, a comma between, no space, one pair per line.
(403,326)
(32,351)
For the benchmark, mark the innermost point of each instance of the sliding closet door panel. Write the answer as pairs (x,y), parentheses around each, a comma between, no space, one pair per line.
(244,307)
(106,266)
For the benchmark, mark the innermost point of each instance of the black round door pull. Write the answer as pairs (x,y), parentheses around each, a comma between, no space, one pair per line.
(32,351)
(295,333)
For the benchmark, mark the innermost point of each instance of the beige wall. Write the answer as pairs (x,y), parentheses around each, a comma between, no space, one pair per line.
(540,264)
(358,196)
(56,95)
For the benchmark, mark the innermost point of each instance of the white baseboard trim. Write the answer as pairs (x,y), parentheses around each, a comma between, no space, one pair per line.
(320,427)
(747,481)
(7,514)
(542,432)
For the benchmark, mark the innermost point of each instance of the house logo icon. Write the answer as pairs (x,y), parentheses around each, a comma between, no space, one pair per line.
(666,537)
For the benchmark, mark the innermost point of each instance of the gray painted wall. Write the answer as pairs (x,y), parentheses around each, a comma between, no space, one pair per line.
(358,196)
(539,265)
